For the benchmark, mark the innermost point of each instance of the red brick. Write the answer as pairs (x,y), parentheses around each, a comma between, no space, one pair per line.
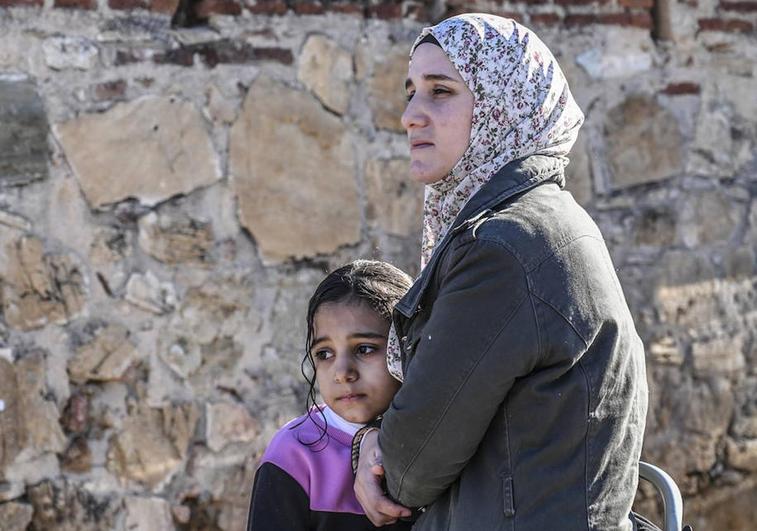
(683,88)
(386,10)
(729,26)
(280,55)
(125,5)
(740,7)
(164,6)
(268,7)
(76,4)
(545,19)
(348,8)
(206,8)
(639,20)
(308,7)
(110,90)
(637,4)
(21,3)
(568,3)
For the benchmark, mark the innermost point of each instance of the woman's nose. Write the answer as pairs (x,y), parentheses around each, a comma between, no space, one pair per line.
(414,115)
(345,370)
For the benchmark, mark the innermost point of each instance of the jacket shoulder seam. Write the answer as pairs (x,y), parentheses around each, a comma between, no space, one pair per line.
(563,317)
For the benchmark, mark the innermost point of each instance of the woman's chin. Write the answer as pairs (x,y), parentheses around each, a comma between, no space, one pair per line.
(423,174)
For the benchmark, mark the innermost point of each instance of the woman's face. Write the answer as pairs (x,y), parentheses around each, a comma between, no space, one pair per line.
(438,114)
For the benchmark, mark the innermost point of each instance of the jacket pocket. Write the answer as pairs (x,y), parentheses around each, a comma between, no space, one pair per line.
(507,496)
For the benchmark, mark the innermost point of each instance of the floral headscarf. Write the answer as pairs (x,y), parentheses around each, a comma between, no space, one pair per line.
(522,106)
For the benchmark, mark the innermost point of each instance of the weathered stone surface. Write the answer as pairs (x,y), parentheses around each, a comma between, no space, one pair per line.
(175,152)
(24,151)
(14,221)
(152,444)
(394,202)
(63,506)
(29,425)
(77,457)
(326,69)
(106,357)
(219,108)
(656,226)
(601,63)
(229,423)
(293,167)
(643,142)
(15,516)
(578,177)
(708,218)
(150,294)
(147,514)
(176,239)
(40,288)
(742,455)
(70,52)
(386,92)
(721,355)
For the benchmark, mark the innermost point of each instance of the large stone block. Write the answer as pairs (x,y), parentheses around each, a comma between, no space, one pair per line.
(24,151)
(293,171)
(709,217)
(15,516)
(62,506)
(152,444)
(40,288)
(176,239)
(150,149)
(326,69)
(229,423)
(106,357)
(643,142)
(148,514)
(30,433)
(386,88)
(394,202)
(742,455)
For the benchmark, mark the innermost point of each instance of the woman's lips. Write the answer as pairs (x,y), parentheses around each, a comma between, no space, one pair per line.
(420,145)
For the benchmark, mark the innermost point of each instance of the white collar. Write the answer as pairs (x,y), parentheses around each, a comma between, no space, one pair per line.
(339,423)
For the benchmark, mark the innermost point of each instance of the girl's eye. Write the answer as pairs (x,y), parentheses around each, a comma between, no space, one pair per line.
(438,91)
(366,349)
(409,96)
(321,355)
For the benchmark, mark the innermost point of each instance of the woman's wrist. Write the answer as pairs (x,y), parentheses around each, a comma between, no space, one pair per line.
(357,444)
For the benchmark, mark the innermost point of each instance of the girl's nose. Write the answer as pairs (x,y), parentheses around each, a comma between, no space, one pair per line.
(414,115)
(345,370)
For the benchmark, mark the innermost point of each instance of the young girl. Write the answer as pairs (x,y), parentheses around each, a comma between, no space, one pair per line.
(305,480)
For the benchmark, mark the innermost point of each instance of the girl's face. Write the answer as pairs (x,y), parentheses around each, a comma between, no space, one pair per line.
(349,354)
(438,115)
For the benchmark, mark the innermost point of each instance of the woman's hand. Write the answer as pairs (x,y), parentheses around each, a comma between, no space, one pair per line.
(379,509)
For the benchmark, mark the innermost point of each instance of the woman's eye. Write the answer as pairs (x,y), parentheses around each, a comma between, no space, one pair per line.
(440,91)
(322,355)
(409,96)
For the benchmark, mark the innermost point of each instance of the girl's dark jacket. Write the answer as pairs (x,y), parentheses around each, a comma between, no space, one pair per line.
(525,391)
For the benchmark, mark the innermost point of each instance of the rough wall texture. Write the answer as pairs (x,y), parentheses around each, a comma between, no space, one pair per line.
(170,195)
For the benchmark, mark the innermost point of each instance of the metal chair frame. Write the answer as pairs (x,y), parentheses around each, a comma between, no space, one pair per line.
(671,495)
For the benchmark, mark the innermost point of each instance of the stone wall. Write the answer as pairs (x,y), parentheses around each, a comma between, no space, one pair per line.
(171,192)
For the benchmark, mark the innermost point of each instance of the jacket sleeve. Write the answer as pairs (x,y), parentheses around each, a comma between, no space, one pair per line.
(278,502)
(480,336)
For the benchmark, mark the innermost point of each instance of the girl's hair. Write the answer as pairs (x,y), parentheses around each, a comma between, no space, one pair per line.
(378,284)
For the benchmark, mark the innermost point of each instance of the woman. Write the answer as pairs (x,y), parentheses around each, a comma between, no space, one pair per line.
(524,395)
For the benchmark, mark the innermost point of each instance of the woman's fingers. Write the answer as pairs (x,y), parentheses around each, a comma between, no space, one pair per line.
(379,509)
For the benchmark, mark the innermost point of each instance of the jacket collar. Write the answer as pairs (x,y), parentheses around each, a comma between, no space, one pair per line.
(512,179)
